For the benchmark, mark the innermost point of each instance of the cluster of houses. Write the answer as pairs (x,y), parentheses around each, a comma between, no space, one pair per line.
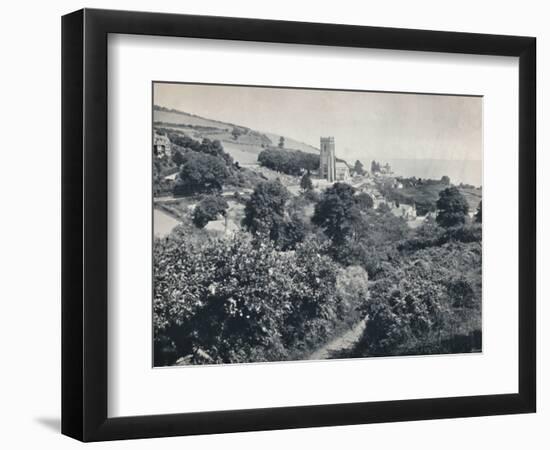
(408,212)
(330,169)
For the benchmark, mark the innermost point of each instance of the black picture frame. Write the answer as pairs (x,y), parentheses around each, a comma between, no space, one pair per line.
(84,224)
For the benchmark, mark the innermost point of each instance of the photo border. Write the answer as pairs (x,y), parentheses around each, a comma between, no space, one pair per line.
(84,224)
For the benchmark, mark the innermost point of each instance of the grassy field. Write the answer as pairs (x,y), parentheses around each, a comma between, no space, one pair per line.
(188,119)
(292,143)
(244,154)
(245,149)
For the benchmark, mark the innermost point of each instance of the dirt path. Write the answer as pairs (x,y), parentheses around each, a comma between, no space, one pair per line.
(342,342)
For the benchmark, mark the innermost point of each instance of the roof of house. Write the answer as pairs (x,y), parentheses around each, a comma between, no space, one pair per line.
(341,165)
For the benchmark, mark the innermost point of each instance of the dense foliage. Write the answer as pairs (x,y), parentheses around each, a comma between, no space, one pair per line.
(336,212)
(452,208)
(305,183)
(291,162)
(429,299)
(209,208)
(377,234)
(477,215)
(269,214)
(265,210)
(429,304)
(358,168)
(364,201)
(235,301)
(206,146)
(200,172)
(162,168)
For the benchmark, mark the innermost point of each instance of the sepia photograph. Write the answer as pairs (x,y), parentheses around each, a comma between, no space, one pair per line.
(294,224)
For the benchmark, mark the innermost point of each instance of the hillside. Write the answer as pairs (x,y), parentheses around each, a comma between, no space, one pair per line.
(242,143)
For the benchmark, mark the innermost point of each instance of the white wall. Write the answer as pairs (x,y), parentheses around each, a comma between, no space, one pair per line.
(30,237)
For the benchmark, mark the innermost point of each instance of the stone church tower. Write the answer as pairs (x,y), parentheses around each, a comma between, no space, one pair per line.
(327,166)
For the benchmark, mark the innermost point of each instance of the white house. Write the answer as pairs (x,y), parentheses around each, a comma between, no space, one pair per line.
(161,146)
(342,171)
(408,212)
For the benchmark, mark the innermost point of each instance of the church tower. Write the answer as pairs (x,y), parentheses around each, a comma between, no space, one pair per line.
(327,166)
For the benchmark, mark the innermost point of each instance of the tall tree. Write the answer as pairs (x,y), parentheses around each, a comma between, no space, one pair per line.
(336,211)
(177,158)
(305,183)
(209,208)
(200,172)
(452,208)
(265,210)
(281,142)
(445,180)
(359,168)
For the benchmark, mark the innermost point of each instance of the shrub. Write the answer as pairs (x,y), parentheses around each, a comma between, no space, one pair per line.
(452,208)
(306,183)
(352,289)
(336,211)
(265,210)
(200,172)
(233,300)
(209,208)
(364,201)
(429,303)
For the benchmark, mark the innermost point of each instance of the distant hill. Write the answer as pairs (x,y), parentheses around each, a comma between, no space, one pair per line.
(242,143)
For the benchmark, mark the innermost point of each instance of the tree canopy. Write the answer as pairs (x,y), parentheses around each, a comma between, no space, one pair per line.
(358,168)
(336,211)
(265,210)
(200,172)
(305,183)
(364,201)
(291,162)
(452,208)
(209,208)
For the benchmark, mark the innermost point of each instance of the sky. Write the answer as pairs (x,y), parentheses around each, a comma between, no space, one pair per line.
(365,125)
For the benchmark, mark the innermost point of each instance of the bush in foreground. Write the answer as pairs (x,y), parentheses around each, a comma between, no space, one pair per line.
(240,300)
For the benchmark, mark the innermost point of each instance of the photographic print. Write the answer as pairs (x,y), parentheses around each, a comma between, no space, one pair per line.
(296,224)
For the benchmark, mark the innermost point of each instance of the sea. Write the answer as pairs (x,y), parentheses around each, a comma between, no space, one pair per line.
(467,171)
